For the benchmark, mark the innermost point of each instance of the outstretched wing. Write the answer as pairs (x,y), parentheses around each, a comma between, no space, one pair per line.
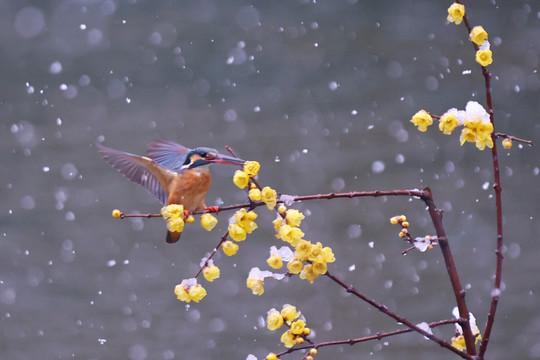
(139,169)
(167,153)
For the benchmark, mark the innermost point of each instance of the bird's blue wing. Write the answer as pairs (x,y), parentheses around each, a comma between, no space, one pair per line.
(167,153)
(133,168)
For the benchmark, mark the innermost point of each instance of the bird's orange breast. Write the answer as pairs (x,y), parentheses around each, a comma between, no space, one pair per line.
(190,189)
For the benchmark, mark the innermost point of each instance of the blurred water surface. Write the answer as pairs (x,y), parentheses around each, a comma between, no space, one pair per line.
(320,93)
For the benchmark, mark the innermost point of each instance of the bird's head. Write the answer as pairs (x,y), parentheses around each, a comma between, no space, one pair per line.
(205,156)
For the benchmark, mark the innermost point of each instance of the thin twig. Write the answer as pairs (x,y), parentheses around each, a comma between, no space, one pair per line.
(384,309)
(377,336)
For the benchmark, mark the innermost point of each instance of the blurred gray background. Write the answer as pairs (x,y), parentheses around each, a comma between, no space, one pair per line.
(321,94)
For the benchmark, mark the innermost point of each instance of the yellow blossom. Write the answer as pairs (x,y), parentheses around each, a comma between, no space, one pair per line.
(484,129)
(294,217)
(315,252)
(254,194)
(319,266)
(507,143)
(116,213)
(459,342)
(278,223)
(245,220)
(189,292)
(175,224)
(308,274)
(190,219)
(297,327)
(211,273)
(484,57)
(251,168)
(172,211)
(313,351)
(328,255)
(269,197)
(181,293)
(208,221)
(271,356)
(229,248)
(483,135)
(394,220)
(256,286)
(197,292)
(455,13)
(467,135)
(478,35)
(290,234)
(289,312)
(288,339)
(295,266)
(422,119)
(275,261)
(303,249)
(481,143)
(236,232)
(274,320)
(447,123)
(241,179)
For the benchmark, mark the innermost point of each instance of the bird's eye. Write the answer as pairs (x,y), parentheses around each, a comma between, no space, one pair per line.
(204,155)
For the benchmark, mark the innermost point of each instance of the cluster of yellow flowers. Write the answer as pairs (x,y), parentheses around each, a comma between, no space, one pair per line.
(402,220)
(287,228)
(288,315)
(174,214)
(176,218)
(478,35)
(420,243)
(189,290)
(242,179)
(477,126)
(241,224)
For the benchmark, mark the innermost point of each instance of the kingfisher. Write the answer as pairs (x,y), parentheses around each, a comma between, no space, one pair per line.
(174,174)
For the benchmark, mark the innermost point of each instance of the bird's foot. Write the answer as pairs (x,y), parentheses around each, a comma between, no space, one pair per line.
(214,209)
(186,214)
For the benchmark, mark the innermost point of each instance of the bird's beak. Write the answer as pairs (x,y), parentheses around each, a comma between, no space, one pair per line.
(224,159)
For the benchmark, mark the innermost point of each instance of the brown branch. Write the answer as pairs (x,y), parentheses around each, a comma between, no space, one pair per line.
(436,218)
(498,201)
(384,309)
(256,204)
(377,336)
(221,241)
(513,138)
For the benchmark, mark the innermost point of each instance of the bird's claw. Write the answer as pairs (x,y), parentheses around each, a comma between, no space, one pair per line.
(214,209)
(186,214)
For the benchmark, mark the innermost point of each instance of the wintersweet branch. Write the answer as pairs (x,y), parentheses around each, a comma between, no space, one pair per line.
(498,201)
(221,241)
(459,292)
(384,309)
(256,204)
(377,336)
(514,138)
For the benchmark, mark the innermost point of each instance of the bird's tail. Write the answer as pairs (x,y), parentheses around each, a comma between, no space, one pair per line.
(173,236)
